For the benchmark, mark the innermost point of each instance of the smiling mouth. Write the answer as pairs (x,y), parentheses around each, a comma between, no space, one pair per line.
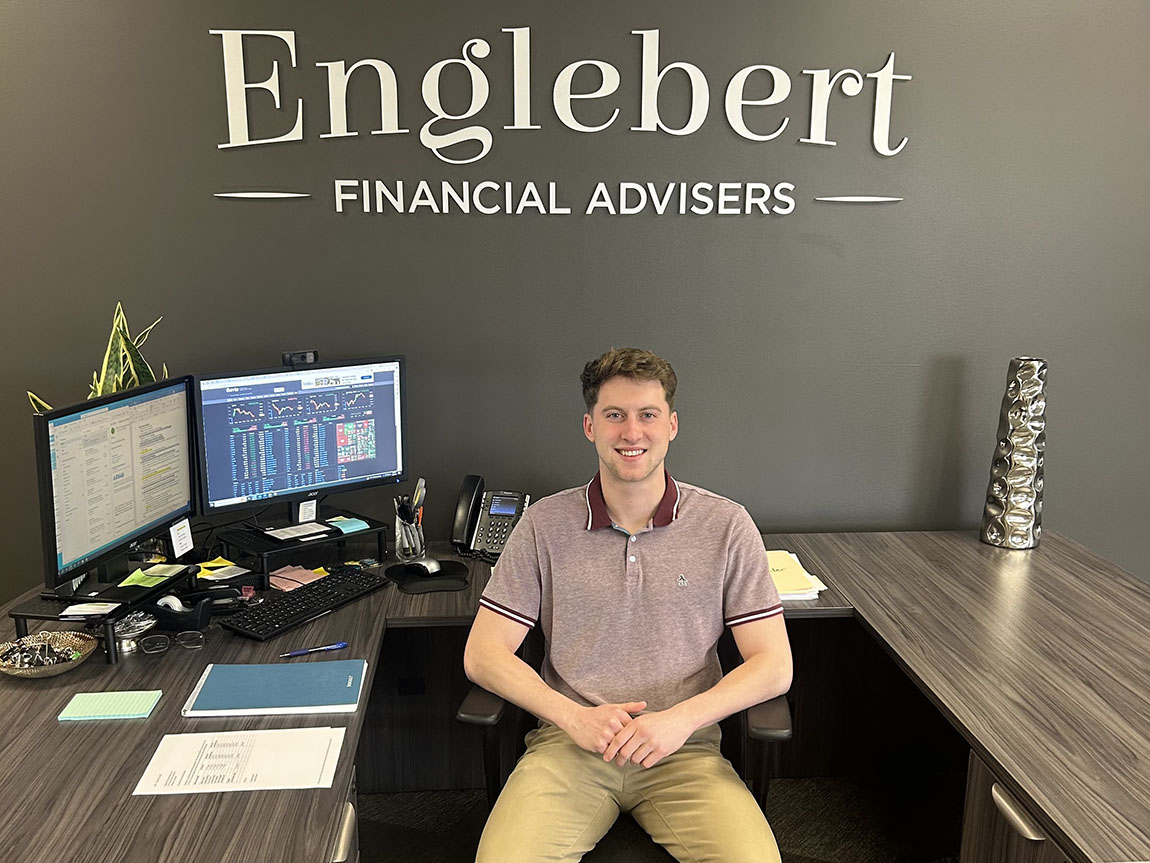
(630,453)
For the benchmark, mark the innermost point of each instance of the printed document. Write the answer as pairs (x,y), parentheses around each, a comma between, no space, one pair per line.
(243,761)
(298,531)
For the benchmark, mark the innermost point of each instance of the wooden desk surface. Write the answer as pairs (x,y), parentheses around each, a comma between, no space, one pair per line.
(1040,658)
(458,608)
(67,786)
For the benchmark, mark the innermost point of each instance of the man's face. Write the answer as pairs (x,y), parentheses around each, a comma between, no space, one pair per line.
(631,426)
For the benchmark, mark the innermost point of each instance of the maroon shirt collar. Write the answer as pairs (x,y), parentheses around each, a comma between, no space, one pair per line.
(665,513)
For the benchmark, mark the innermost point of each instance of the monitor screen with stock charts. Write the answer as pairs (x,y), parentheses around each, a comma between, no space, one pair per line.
(295,433)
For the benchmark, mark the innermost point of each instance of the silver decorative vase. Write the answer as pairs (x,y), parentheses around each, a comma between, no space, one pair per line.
(1012,517)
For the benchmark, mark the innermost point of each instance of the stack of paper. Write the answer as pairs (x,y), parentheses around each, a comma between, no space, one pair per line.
(220,569)
(291,577)
(791,580)
(243,761)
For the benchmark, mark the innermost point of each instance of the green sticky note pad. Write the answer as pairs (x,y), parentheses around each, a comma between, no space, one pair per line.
(138,578)
(130,704)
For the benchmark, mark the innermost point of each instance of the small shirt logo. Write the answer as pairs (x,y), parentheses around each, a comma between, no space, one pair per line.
(682,580)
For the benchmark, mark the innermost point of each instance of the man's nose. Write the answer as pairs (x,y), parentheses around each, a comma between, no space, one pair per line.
(632,430)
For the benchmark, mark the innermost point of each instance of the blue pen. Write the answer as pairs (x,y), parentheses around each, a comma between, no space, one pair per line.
(339,645)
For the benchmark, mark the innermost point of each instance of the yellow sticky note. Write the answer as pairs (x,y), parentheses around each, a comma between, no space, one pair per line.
(216,564)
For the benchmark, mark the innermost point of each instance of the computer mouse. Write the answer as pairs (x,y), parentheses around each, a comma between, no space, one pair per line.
(423,567)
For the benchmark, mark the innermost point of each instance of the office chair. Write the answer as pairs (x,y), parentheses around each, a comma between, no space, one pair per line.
(762,725)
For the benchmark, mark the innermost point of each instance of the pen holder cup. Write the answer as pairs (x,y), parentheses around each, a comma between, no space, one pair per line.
(408,540)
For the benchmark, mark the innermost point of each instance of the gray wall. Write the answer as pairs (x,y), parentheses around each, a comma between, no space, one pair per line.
(841,367)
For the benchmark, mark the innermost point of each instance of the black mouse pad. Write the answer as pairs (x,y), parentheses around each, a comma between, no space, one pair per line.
(452,575)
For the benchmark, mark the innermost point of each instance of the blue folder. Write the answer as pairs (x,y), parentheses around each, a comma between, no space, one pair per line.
(259,690)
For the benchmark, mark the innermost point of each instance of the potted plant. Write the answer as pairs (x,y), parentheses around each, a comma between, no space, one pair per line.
(124,366)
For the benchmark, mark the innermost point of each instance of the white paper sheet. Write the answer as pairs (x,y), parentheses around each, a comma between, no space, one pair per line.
(243,761)
(295,531)
(182,542)
(224,572)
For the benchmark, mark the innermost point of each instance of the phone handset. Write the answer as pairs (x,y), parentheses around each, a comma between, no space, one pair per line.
(484,519)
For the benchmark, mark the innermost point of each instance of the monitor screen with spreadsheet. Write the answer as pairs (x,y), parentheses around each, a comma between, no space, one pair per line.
(296,433)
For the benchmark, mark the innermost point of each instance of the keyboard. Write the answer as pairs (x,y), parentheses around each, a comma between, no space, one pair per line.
(281,612)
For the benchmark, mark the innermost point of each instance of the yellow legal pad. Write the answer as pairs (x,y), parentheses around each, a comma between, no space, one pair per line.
(791,580)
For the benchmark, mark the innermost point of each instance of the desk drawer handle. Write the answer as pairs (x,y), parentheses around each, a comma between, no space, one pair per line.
(1014,814)
(347,842)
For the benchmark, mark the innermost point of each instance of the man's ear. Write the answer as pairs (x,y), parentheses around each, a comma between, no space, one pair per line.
(674,425)
(588,428)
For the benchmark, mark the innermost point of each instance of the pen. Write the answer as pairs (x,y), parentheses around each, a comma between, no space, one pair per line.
(304,651)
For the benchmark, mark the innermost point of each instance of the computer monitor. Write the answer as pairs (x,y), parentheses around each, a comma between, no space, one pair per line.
(112,471)
(292,434)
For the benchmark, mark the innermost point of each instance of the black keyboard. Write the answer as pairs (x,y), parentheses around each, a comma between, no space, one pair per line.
(280,612)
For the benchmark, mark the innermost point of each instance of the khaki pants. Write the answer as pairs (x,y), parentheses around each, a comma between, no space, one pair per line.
(560,800)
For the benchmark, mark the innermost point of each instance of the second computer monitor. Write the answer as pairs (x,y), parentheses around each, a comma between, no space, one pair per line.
(290,434)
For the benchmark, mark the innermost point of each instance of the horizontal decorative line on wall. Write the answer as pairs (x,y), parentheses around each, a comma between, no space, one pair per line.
(264,195)
(859,199)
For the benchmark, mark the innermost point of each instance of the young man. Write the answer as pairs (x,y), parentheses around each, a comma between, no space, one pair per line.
(632,579)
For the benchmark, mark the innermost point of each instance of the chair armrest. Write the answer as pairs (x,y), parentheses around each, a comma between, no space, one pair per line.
(770,720)
(481,707)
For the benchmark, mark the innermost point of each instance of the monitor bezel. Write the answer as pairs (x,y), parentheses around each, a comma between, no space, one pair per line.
(53,577)
(206,507)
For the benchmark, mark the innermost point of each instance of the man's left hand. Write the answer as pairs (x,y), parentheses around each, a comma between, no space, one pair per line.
(649,738)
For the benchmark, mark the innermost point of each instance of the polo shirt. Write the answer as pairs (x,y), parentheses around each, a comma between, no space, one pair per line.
(633,617)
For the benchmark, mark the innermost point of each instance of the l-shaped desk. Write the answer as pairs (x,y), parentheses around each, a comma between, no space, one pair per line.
(1040,659)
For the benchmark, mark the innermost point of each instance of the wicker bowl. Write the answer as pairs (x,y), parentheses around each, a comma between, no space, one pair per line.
(80,643)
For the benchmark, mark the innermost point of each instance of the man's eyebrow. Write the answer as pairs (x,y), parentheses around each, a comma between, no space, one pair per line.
(654,408)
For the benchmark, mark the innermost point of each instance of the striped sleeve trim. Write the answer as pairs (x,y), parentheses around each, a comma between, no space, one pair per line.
(510,614)
(762,614)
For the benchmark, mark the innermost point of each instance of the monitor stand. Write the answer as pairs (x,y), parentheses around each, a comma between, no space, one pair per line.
(93,583)
(102,584)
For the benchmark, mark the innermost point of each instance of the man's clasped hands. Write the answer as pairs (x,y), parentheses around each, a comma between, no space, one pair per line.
(622,733)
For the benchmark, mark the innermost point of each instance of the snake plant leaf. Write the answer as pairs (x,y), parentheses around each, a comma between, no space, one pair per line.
(137,370)
(142,337)
(38,404)
(109,375)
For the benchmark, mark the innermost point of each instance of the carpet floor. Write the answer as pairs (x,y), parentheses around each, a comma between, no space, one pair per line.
(814,820)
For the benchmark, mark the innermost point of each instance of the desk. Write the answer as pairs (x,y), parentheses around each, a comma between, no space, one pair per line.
(1040,659)
(67,786)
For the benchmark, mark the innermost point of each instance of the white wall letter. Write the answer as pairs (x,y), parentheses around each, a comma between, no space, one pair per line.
(822,86)
(562,95)
(652,77)
(780,89)
(479,92)
(884,86)
(235,87)
(337,80)
(341,195)
(521,76)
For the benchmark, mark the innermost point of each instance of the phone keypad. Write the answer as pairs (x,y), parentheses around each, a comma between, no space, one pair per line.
(494,534)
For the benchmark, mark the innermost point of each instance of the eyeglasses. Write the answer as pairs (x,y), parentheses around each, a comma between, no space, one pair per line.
(158,643)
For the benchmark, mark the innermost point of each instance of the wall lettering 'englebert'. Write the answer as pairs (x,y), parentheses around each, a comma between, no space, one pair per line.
(461,145)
